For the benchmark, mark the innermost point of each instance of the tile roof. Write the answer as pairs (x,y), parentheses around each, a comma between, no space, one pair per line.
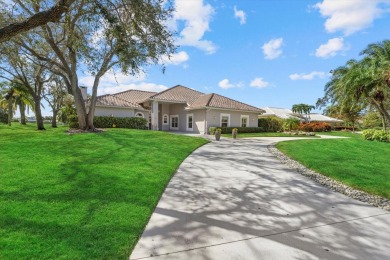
(321,118)
(113,101)
(178,94)
(217,101)
(136,96)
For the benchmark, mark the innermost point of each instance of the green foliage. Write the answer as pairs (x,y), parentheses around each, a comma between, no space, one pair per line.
(82,196)
(376,135)
(120,122)
(291,123)
(3,117)
(271,124)
(371,120)
(212,130)
(228,130)
(72,121)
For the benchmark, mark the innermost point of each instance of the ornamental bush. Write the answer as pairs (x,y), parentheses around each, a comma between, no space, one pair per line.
(271,124)
(228,130)
(376,135)
(315,127)
(119,122)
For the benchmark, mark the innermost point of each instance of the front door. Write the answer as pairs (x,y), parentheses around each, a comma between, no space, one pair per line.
(174,122)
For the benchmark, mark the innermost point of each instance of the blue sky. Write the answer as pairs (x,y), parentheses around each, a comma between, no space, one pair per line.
(261,52)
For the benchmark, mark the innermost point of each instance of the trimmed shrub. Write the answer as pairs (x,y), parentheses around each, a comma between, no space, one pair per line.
(315,127)
(72,121)
(119,122)
(228,130)
(212,130)
(376,135)
(271,124)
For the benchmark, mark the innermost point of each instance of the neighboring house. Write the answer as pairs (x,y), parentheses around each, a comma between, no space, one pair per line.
(179,109)
(285,113)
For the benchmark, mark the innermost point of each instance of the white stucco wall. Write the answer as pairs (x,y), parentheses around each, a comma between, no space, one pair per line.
(214,118)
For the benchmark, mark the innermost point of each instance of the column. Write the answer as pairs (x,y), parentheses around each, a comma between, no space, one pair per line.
(155,115)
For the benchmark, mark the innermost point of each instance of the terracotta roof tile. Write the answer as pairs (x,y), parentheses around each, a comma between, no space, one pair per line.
(218,101)
(178,94)
(135,96)
(113,101)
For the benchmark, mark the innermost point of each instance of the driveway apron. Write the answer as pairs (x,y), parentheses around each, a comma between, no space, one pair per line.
(233,200)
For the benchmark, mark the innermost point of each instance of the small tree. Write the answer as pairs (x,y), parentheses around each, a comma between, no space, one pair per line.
(291,123)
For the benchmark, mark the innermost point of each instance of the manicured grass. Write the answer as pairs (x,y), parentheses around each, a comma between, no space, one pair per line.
(354,161)
(245,135)
(83,196)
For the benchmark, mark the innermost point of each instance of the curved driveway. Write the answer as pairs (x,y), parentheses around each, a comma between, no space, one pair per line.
(233,200)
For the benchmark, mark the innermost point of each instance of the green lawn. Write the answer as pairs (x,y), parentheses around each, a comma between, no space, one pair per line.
(245,135)
(356,162)
(83,196)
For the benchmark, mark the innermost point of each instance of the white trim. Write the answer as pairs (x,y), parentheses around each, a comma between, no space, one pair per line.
(187,121)
(220,119)
(247,120)
(167,123)
(170,122)
(142,114)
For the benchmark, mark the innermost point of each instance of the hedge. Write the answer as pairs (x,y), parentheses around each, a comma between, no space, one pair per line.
(376,135)
(271,124)
(228,130)
(119,122)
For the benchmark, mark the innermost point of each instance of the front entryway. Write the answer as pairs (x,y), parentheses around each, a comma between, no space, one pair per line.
(174,122)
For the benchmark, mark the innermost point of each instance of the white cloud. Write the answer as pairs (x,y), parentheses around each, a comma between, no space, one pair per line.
(272,49)
(259,83)
(240,14)
(225,84)
(176,58)
(308,76)
(350,16)
(196,17)
(331,48)
(116,82)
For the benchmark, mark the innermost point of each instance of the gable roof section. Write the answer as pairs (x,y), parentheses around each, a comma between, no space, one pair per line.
(322,118)
(113,101)
(179,94)
(135,96)
(217,101)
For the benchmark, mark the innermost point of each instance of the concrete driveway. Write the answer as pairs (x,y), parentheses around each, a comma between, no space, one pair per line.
(233,200)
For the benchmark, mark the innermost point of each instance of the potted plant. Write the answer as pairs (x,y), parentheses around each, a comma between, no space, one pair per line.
(234,133)
(218,134)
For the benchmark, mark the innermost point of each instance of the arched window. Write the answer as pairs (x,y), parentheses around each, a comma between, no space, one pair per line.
(165,119)
(139,114)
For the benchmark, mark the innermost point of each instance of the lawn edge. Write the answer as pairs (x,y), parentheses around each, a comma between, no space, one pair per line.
(166,185)
(332,184)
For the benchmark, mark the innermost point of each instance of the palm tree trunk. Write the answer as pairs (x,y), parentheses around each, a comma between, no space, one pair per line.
(22,108)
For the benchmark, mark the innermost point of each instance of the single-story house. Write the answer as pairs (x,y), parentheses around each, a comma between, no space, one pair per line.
(179,109)
(285,113)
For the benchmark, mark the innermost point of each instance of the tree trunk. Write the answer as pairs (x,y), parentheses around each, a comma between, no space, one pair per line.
(38,113)
(10,111)
(383,122)
(382,110)
(54,119)
(22,108)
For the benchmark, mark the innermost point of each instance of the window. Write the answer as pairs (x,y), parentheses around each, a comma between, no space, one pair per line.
(225,120)
(165,119)
(139,114)
(174,122)
(190,118)
(244,121)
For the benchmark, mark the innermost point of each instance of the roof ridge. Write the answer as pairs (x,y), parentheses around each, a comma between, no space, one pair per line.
(134,90)
(159,93)
(211,97)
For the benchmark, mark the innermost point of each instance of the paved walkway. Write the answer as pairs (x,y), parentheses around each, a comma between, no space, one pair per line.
(233,200)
